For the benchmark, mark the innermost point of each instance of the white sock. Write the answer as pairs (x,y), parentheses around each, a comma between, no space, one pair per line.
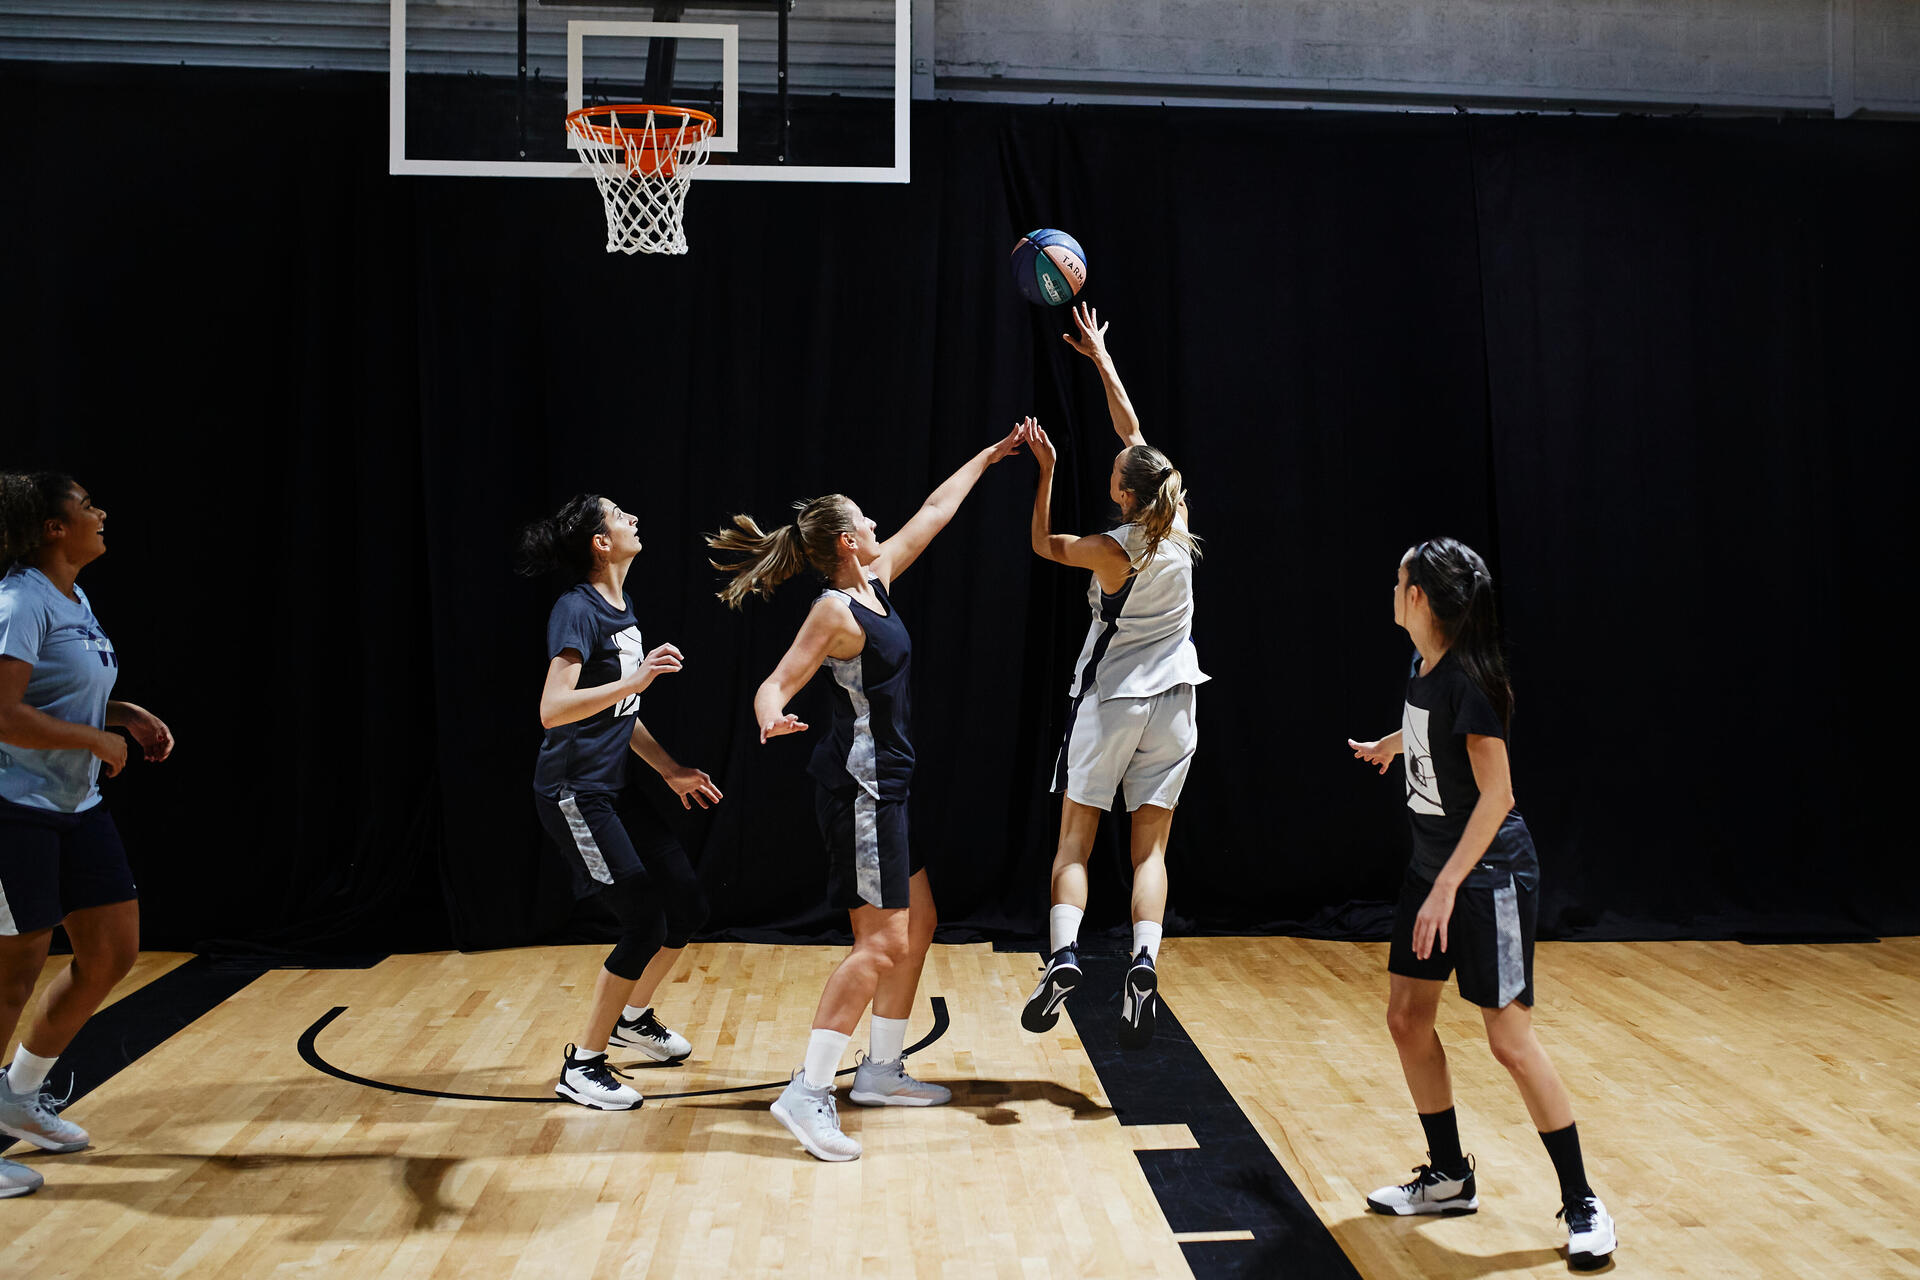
(588,1055)
(633,1013)
(824,1048)
(889,1039)
(28,1071)
(1063,925)
(1146,934)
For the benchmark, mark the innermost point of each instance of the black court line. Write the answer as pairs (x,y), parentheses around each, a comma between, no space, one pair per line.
(1231,1181)
(309,1050)
(141,1020)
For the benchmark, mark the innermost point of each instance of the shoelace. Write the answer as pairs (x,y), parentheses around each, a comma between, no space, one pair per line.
(649,1026)
(1579,1217)
(44,1103)
(602,1073)
(1424,1175)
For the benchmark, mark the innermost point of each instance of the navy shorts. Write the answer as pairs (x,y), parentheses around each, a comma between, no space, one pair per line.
(53,864)
(1489,937)
(606,837)
(869,860)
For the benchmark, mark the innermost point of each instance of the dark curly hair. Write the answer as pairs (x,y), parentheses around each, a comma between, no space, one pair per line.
(27,501)
(562,544)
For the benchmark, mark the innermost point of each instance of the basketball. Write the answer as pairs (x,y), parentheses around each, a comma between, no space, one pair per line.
(1049,267)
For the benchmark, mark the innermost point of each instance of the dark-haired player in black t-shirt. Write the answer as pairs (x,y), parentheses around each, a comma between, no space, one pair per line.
(1468,901)
(615,845)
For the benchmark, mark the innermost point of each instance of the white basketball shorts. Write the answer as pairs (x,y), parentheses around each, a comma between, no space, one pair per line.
(1139,746)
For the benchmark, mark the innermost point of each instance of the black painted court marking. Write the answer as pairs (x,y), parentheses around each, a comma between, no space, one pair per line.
(1231,1181)
(140,1021)
(310,1051)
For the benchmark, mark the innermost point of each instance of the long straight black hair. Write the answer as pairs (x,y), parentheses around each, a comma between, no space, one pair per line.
(1459,590)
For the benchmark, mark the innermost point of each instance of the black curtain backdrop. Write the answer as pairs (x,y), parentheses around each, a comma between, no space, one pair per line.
(1659,371)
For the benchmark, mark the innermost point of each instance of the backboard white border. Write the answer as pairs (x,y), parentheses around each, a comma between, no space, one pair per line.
(727,33)
(402,165)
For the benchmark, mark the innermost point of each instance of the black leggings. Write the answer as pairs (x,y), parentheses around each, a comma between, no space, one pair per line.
(661,905)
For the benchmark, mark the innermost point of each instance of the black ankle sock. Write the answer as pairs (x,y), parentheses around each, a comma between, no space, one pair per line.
(1563,1145)
(1443,1141)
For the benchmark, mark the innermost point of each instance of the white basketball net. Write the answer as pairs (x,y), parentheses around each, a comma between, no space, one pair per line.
(643,174)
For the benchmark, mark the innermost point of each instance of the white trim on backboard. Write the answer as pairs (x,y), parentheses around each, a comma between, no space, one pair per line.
(400,164)
(727,33)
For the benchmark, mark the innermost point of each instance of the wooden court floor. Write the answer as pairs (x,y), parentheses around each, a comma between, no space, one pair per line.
(1746,1112)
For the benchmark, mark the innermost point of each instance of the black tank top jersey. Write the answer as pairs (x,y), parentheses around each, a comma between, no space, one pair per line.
(868,744)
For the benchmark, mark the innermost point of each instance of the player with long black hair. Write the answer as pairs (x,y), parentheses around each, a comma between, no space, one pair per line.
(614,843)
(1469,897)
(61,859)
(863,766)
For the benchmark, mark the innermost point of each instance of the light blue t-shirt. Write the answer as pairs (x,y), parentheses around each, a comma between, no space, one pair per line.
(74,667)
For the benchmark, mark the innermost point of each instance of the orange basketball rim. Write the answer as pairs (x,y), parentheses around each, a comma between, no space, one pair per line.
(650,137)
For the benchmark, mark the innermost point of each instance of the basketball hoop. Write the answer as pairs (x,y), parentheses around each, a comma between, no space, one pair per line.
(640,156)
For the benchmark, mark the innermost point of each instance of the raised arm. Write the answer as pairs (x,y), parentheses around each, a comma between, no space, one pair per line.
(1099,553)
(828,632)
(904,547)
(1092,343)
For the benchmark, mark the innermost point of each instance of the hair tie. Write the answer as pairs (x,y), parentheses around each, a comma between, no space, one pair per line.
(1164,472)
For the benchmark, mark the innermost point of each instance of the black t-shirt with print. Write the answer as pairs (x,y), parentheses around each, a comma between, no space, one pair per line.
(591,754)
(1442,708)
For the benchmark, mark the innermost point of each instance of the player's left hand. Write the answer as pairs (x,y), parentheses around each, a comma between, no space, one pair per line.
(151,732)
(692,786)
(1431,923)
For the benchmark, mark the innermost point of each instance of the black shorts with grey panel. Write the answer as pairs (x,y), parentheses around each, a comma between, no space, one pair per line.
(870,861)
(617,845)
(1489,937)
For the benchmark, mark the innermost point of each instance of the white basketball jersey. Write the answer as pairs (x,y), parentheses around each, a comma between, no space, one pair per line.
(1141,640)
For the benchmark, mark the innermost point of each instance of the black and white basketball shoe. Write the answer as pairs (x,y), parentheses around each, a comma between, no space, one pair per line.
(649,1036)
(1431,1191)
(1056,984)
(1139,1002)
(1590,1239)
(595,1082)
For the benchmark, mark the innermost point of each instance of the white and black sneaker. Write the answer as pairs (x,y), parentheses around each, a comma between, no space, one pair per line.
(1590,1239)
(596,1083)
(1139,1002)
(646,1034)
(1056,984)
(1431,1191)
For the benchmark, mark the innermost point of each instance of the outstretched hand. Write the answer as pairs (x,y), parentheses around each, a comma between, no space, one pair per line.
(1092,341)
(691,785)
(1011,445)
(1372,753)
(1043,451)
(781,725)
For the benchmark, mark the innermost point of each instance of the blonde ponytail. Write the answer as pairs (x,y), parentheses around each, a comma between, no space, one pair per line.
(761,561)
(1157,491)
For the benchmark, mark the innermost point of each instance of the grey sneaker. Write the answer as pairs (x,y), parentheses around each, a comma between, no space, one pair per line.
(32,1117)
(812,1116)
(887,1084)
(17,1180)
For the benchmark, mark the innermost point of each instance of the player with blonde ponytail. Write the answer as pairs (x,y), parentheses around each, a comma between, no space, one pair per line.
(863,766)
(1132,725)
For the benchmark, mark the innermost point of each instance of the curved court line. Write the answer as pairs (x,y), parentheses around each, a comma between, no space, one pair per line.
(310,1053)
